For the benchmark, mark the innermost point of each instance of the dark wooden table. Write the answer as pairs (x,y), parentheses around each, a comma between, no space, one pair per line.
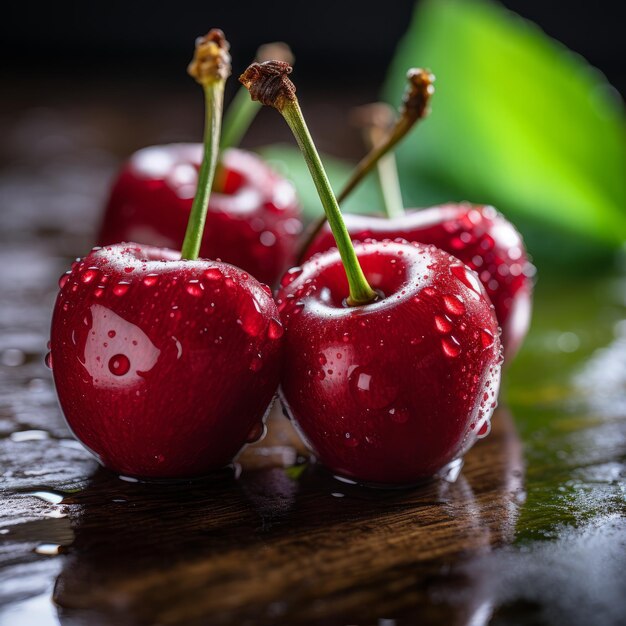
(530,532)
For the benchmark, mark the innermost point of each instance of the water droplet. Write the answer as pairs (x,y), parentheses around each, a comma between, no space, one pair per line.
(290,276)
(486,338)
(256,363)
(121,288)
(267,290)
(345,338)
(48,549)
(466,277)
(194,288)
(13,357)
(351,442)
(48,360)
(50,497)
(451,347)
(119,364)
(29,435)
(321,359)
(151,280)
(373,388)
(89,275)
(267,238)
(484,429)
(63,280)
(454,305)
(213,273)
(275,329)
(256,433)
(252,320)
(443,324)
(487,242)
(400,416)
(111,334)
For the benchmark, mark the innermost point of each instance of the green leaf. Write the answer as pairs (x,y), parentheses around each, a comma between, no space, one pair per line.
(519,122)
(289,161)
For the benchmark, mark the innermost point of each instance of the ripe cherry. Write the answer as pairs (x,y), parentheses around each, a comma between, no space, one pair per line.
(391,391)
(163,367)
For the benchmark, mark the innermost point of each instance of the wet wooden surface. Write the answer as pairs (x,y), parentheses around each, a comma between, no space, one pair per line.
(530,532)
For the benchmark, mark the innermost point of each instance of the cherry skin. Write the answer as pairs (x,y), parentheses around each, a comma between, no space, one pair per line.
(477,235)
(253,223)
(164,368)
(390,392)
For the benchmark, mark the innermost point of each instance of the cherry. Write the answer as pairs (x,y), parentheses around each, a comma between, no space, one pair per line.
(165,366)
(477,235)
(392,391)
(391,364)
(253,219)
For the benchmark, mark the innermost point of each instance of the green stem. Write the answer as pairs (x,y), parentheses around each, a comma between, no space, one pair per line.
(360,290)
(214,101)
(239,115)
(387,171)
(390,186)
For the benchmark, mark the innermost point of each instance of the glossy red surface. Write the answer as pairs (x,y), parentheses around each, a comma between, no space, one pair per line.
(477,235)
(253,224)
(389,392)
(164,368)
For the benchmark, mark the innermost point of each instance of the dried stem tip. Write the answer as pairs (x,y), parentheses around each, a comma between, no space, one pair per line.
(211,60)
(417,95)
(269,83)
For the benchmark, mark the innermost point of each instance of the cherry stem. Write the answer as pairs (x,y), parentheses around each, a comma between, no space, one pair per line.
(375,120)
(414,107)
(269,84)
(210,67)
(242,110)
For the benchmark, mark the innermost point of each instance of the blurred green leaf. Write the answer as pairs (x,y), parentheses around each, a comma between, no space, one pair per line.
(517,121)
(289,161)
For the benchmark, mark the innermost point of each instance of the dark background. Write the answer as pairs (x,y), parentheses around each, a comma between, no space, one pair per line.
(347,40)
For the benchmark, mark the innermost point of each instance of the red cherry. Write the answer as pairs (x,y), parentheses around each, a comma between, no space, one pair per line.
(163,367)
(392,391)
(254,223)
(477,235)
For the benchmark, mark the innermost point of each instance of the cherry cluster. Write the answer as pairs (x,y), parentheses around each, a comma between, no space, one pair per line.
(384,342)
